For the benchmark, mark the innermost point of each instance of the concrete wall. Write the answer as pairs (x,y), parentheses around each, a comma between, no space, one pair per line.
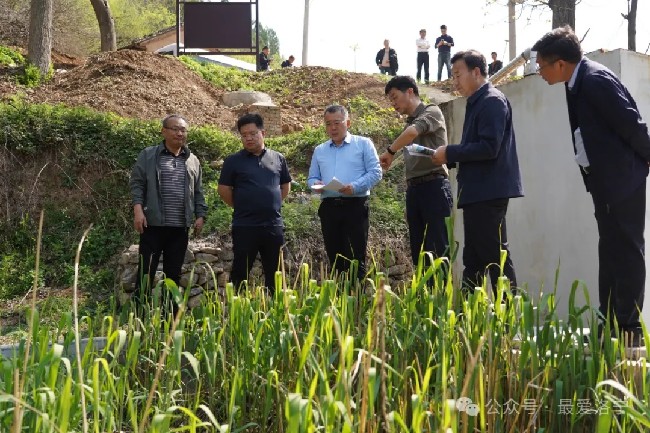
(553,228)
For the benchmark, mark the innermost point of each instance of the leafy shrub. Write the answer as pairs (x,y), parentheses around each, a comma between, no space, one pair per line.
(10,57)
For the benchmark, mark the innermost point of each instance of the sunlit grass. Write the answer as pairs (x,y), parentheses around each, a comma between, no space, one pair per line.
(329,356)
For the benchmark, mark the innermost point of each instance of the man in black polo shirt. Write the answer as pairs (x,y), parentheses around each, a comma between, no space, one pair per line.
(254,181)
(428,195)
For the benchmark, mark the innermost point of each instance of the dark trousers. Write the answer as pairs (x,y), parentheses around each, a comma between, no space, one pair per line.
(423,60)
(485,236)
(344,223)
(171,242)
(427,205)
(444,59)
(621,257)
(386,70)
(246,243)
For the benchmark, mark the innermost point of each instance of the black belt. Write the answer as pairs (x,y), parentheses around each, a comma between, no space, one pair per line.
(339,201)
(426,178)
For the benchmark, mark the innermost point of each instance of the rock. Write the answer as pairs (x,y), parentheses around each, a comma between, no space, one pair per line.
(195,301)
(245,97)
(129,275)
(216,165)
(123,298)
(134,258)
(222,279)
(227,255)
(397,270)
(189,256)
(211,250)
(185,279)
(134,248)
(196,290)
(207,258)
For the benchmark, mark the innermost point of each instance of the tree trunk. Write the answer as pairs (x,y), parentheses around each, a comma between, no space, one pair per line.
(631,26)
(39,48)
(305,34)
(564,12)
(106,25)
(512,30)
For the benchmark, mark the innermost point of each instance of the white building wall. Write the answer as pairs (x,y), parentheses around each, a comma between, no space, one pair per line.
(553,228)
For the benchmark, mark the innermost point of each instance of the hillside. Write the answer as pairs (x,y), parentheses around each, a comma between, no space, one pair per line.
(149,86)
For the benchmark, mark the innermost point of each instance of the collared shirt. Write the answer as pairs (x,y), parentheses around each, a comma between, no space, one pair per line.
(581,154)
(423,45)
(256,180)
(172,187)
(432,133)
(353,162)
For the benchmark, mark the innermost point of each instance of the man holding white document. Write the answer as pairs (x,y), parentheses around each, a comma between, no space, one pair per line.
(343,170)
(428,194)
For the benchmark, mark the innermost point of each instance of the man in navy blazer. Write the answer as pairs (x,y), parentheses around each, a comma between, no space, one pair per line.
(612,149)
(488,170)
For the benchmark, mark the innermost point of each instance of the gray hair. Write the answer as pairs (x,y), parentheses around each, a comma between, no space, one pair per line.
(173,116)
(335,108)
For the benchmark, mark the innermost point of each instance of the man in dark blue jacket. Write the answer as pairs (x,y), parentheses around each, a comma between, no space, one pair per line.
(612,149)
(488,170)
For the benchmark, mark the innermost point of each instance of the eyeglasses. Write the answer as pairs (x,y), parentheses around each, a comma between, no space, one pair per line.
(540,67)
(334,123)
(249,134)
(176,129)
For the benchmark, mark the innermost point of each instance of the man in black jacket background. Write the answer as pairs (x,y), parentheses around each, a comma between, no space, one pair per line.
(386,59)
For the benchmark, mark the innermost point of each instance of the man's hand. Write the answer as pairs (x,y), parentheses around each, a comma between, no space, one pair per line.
(198,226)
(347,190)
(440,156)
(319,190)
(385,160)
(139,220)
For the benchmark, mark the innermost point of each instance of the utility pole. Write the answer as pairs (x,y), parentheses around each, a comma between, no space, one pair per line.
(512,30)
(305,34)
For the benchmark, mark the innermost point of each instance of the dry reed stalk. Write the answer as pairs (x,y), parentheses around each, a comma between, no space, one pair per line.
(19,383)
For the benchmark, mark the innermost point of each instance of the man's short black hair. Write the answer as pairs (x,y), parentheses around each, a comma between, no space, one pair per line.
(265,48)
(559,44)
(402,83)
(166,120)
(473,59)
(443,27)
(493,52)
(250,118)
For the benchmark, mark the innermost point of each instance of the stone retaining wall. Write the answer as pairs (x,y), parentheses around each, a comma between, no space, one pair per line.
(212,265)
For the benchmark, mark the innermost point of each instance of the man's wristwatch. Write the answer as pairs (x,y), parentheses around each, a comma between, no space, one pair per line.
(389,150)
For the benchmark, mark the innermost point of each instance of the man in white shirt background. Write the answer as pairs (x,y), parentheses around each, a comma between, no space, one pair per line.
(423,46)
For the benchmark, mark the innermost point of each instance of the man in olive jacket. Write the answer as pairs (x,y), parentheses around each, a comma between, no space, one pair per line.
(167,200)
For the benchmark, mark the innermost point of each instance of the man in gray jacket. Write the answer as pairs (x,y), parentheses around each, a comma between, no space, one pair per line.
(167,198)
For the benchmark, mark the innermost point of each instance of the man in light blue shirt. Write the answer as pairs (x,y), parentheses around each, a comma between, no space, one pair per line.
(353,162)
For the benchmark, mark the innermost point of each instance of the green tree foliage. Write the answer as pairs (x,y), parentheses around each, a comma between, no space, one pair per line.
(137,18)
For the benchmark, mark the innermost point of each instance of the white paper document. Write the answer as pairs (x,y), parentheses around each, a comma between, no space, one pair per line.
(334,185)
(418,150)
